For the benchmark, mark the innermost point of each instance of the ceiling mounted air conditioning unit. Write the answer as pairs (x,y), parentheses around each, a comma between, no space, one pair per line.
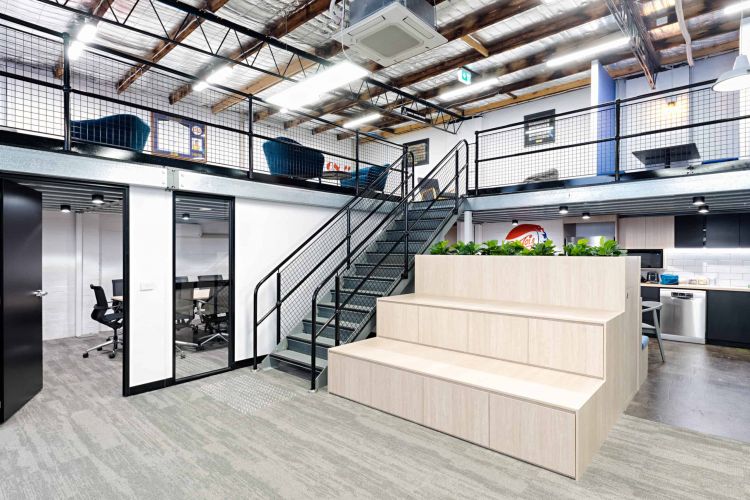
(389,31)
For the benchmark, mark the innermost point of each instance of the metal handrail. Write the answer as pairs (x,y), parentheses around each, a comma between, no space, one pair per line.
(369,193)
(363,245)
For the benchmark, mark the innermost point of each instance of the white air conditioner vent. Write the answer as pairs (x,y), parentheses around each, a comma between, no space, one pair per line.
(391,31)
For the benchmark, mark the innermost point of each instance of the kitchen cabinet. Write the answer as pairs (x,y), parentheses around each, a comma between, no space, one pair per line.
(723,231)
(725,324)
(689,231)
(646,233)
(745,230)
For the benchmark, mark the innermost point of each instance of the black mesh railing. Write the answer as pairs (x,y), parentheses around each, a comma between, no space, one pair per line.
(282,298)
(418,216)
(682,127)
(43,92)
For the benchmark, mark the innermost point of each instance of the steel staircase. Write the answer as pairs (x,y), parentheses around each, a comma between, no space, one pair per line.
(327,289)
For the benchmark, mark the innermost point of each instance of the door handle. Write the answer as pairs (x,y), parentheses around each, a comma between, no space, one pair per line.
(40,293)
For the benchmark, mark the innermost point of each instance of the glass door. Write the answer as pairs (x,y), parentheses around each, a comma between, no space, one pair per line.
(203,284)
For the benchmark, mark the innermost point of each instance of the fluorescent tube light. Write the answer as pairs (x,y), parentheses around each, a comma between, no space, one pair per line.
(87,33)
(220,74)
(736,7)
(311,90)
(75,50)
(362,120)
(200,86)
(468,90)
(588,53)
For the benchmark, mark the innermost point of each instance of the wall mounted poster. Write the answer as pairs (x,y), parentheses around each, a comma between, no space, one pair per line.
(178,137)
(421,151)
(539,128)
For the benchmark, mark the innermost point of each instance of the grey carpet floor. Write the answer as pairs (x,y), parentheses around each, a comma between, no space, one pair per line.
(262,435)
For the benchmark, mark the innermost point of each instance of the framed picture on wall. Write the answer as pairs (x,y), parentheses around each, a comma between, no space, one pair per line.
(178,138)
(421,151)
(539,128)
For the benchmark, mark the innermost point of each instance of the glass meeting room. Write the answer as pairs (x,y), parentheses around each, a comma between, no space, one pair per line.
(203,276)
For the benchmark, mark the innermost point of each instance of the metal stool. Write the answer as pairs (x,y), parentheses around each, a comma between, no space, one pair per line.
(653,307)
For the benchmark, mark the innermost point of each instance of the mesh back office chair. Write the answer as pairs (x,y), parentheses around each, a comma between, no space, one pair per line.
(184,313)
(113,320)
(117,288)
(215,316)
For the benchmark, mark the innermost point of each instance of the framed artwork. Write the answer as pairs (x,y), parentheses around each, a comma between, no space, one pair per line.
(178,138)
(539,128)
(421,151)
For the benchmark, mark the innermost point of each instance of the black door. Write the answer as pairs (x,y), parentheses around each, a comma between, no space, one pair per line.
(21,297)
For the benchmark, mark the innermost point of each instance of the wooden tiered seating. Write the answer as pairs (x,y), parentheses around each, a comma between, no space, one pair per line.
(542,382)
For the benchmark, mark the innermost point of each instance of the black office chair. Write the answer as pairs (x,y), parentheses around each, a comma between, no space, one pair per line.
(117,288)
(215,316)
(180,279)
(184,313)
(113,320)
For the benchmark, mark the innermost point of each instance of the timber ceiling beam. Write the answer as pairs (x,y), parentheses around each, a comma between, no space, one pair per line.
(532,33)
(277,29)
(179,33)
(467,25)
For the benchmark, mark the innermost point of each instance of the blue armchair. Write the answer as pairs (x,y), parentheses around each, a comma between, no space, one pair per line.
(122,131)
(287,157)
(368,178)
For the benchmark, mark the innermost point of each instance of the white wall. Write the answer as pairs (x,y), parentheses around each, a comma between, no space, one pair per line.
(78,250)
(150,300)
(265,233)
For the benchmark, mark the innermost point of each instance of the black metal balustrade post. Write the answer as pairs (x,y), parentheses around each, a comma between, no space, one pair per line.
(404,188)
(348,238)
(617,140)
(66,92)
(250,137)
(337,334)
(476,163)
(313,343)
(456,180)
(356,162)
(467,170)
(255,331)
(278,307)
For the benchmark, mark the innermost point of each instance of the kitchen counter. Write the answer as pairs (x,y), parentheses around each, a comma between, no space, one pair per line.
(699,287)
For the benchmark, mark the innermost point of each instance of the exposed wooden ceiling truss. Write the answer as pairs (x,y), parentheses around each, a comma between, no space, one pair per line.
(475,39)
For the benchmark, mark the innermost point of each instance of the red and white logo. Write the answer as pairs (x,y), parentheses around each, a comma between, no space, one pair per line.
(528,234)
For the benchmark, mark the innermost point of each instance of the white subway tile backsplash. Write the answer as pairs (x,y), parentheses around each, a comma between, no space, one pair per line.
(720,267)
(740,283)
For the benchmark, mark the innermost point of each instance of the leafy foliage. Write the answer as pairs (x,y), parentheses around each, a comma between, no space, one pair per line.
(580,249)
(610,248)
(441,248)
(470,248)
(544,248)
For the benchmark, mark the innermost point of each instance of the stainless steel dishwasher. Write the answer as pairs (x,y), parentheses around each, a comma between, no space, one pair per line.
(683,315)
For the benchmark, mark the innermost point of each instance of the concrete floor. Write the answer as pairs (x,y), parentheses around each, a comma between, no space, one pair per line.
(700,387)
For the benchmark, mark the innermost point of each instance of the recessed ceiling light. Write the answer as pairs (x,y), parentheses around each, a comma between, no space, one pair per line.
(186,216)
(97,199)
(563,210)
(515,222)
(586,216)
(699,200)
(65,209)
(703,209)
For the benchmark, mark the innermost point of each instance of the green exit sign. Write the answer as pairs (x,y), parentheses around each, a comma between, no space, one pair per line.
(464,76)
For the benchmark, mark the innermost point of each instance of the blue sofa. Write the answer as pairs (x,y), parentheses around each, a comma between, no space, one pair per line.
(287,157)
(367,178)
(122,131)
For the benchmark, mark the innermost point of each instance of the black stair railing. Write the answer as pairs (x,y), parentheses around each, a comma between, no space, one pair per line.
(298,273)
(451,173)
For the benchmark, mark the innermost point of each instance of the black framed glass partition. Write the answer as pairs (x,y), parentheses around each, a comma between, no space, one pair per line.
(203,284)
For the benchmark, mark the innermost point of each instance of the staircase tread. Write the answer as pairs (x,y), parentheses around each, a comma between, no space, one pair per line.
(299,358)
(350,307)
(362,292)
(306,337)
(347,325)
(375,278)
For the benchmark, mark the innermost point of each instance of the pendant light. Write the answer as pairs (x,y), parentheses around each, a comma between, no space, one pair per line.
(738,77)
